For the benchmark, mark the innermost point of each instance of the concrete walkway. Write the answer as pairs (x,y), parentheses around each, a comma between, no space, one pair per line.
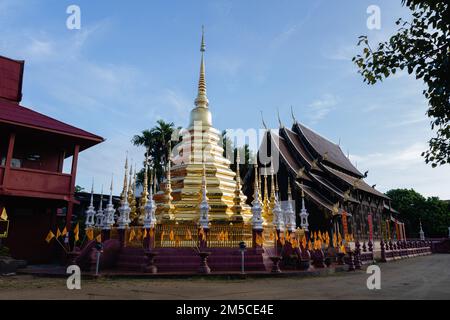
(426,277)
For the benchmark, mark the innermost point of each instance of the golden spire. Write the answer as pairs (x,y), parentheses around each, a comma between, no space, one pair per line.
(144,194)
(169,207)
(260,186)
(202,99)
(256,186)
(272,188)
(266,203)
(131,192)
(201,114)
(123,195)
(237,190)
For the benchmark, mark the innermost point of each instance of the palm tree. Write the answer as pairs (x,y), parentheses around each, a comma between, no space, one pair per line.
(156,141)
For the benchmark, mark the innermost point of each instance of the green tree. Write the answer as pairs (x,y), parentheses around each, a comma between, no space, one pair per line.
(421,46)
(157,143)
(413,208)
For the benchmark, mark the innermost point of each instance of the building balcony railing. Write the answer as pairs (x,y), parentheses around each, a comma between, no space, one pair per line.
(35,183)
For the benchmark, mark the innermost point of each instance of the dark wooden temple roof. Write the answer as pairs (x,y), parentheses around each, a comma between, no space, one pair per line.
(326,149)
(327,175)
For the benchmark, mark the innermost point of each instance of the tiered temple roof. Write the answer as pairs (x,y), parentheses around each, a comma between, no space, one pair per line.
(319,167)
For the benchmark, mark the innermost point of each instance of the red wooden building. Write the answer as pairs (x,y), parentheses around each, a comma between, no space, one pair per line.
(33,187)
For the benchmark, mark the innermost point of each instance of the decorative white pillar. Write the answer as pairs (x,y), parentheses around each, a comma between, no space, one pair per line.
(150,209)
(109,211)
(304,214)
(257,221)
(90,212)
(289,212)
(100,217)
(421,233)
(278,220)
(124,215)
(204,205)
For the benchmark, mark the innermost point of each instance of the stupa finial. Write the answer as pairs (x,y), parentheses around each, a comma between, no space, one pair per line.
(202,99)
(124,194)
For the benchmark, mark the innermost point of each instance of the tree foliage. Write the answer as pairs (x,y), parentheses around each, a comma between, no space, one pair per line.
(413,207)
(156,142)
(422,47)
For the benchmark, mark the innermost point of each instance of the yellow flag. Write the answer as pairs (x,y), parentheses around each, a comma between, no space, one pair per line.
(64,232)
(139,234)
(99,238)
(171,235)
(132,235)
(4,215)
(58,233)
(76,232)
(309,245)
(90,234)
(162,236)
(145,233)
(50,236)
(202,234)
(304,242)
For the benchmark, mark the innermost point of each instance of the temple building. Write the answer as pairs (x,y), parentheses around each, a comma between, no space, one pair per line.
(33,187)
(324,182)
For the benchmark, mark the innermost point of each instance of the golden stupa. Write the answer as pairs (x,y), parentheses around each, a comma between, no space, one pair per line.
(179,195)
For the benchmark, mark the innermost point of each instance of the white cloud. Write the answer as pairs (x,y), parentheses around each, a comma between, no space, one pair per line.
(320,108)
(405,168)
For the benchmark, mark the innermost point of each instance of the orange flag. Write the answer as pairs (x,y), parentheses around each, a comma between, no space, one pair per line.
(202,234)
(90,234)
(304,242)
(132,235)
(50,236)
(76,232)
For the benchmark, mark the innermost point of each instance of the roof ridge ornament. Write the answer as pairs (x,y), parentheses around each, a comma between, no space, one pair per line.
(279,119)
(293,116)
(262,119)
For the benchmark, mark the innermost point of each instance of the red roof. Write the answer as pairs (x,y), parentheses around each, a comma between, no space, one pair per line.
(13,113)
(11,74)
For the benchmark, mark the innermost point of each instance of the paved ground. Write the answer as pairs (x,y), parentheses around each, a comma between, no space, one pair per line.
(425,277)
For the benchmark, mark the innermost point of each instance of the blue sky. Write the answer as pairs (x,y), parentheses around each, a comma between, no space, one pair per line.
(134,62)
